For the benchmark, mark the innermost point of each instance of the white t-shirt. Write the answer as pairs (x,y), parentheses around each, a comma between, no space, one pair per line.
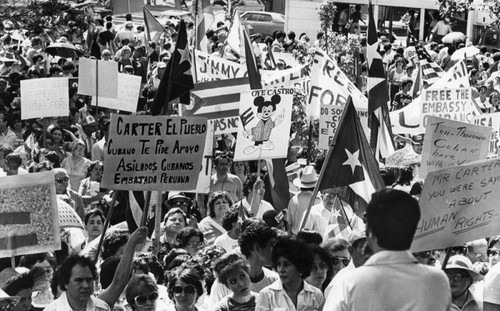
(226,242)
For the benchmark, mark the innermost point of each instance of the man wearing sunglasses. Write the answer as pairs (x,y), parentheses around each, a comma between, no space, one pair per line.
(392,279)
(65,193)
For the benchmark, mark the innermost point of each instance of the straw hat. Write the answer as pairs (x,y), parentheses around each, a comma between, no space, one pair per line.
(308,178)
(463,263)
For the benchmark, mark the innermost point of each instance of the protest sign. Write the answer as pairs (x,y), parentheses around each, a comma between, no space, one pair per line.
(121,7)
(29,221)
(408,119)
(210,67)
(265,124)
(129,87)
(154,153)
(458,205)
(203,185)
(48,97)
(103,73)
(448,103)
(329,120)
(297,77)
(450,143)
(491,120)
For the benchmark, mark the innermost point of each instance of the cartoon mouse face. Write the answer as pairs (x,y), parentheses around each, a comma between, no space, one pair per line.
(267,112)
(266,108)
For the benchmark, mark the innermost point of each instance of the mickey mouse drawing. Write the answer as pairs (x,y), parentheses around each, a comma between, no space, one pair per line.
(262,131)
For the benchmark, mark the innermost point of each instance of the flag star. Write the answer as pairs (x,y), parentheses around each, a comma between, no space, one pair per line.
(352,159)
(184,54)
(372,53)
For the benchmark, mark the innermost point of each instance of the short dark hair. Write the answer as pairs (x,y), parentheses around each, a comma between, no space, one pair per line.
(309,237)
(336,244)
(249,182)
(214,196)
(17,283)
(64,271)
(183,236)
(221,156)
(94,212)
(131,291)
(296,252)
(256,233)
(227,264)
(188,276)
(28,261)
(324,255)
(230,218)
(112,242)
(392,216)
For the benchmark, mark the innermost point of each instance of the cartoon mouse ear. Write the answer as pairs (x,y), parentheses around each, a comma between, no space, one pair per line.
(276,99)
(258,101)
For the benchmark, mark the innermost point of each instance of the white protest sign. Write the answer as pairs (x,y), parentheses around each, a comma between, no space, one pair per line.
(210,67)
(29,221)
(293,77)
(450,143)
(203,185)
(329,120)
(408,119)
(225,125)
(491,120)
(265,127)
(453,104)
(129,87)
(103,73)
(154,153)
(458,205)
(48,97)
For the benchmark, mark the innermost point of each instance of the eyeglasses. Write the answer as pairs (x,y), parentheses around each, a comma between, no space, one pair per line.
(196,244)
(142,300)
(61,180)
(336,260)
(188,290)
(456,277)
(181,203)
(321,266)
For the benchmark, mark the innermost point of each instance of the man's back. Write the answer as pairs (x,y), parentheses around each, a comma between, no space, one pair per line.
(391,280)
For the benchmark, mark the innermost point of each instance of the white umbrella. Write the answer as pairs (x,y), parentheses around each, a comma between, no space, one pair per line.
(465,53)
(454,37)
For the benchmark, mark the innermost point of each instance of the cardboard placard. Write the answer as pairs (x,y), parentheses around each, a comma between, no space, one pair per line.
(203,185)
(453,104)
(29,221)
(129,87)
(450,143)
(458,205)
(210,67)
(48,97)
(264,129)
(329,120)
(154,153)
(107,78)
(491,120)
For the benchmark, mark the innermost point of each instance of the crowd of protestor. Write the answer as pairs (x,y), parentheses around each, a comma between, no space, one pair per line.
(230,249)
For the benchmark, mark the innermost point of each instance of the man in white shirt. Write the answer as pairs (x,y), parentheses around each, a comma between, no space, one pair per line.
(253,191)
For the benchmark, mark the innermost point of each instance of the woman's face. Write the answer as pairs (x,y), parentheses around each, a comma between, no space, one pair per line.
(318,272)
(185,295)
(175,222)
(96,173)
(239,282)
(221,206)
(239,167)
(79,151)
(193,245)
(94,227)
(49,144)
(340,260)
(287,271)
(45,265)
(146,300)
(57,136)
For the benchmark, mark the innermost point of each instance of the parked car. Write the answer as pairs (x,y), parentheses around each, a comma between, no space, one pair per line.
(265,23)
(490,38)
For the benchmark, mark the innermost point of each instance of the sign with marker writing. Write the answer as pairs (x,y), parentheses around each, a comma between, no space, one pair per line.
(48,97)
(450,143)
(29,221)
(329,120)
(492,120)
(458,205)
(454,104)
(154,152)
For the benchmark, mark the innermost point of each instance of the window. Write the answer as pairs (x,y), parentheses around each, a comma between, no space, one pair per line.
(265,18)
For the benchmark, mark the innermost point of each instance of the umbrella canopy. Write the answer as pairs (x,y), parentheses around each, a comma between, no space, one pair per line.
(63,49)
(465,53)
(454,37)
(68,218)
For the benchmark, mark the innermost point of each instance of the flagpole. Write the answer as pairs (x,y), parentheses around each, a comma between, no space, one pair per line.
(145,210)
(343,211)
(193,61)
(106,224)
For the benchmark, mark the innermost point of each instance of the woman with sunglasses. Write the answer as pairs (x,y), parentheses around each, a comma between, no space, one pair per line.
(189,239)
(184,289)
(293,261)
(338,249)
(142,293)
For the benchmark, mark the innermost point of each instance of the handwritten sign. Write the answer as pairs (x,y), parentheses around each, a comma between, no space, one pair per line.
(154,153)
(448,103)
(48,97)
(103,73)
(203,185)
(210,68)
(129,87)
(29,221)
(450,143)
(491,120)
(264,129)
(458,205)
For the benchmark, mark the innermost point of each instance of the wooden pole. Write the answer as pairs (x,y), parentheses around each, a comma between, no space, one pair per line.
(145,210)
(446,258)
(106,224)
(156,242)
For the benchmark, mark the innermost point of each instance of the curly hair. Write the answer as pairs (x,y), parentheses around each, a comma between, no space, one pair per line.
(112,242)
(230,218)
(256,233)
(214,196)
(64,271)
(228,264)
(188,276)
(295,252)
(17,283)
(183,236)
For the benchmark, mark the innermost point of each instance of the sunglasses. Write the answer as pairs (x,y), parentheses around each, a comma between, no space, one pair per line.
(182,203)
(196,244)
(188,290)
(61,180)
(142,300)
(336,260)
(457,277)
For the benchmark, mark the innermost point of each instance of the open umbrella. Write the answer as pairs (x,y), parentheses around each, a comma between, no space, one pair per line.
(63,49)
(68,218)
(465,53)
(454,37)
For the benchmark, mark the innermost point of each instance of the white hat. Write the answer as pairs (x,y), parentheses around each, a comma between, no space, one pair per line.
(308,178)
(463,263)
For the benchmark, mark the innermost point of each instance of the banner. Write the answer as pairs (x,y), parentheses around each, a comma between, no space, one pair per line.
(129,87)
(265,124)
(293,77)
(450,143)
(121,7)
(453,104)
(154,153)
(29,221)
(203,185)
(408,119)
(210,68)
(48,97)
(491,120)
(458,205)
(103,73)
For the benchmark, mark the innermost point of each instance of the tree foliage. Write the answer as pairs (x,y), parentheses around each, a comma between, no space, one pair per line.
(453,7)
(327,10)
